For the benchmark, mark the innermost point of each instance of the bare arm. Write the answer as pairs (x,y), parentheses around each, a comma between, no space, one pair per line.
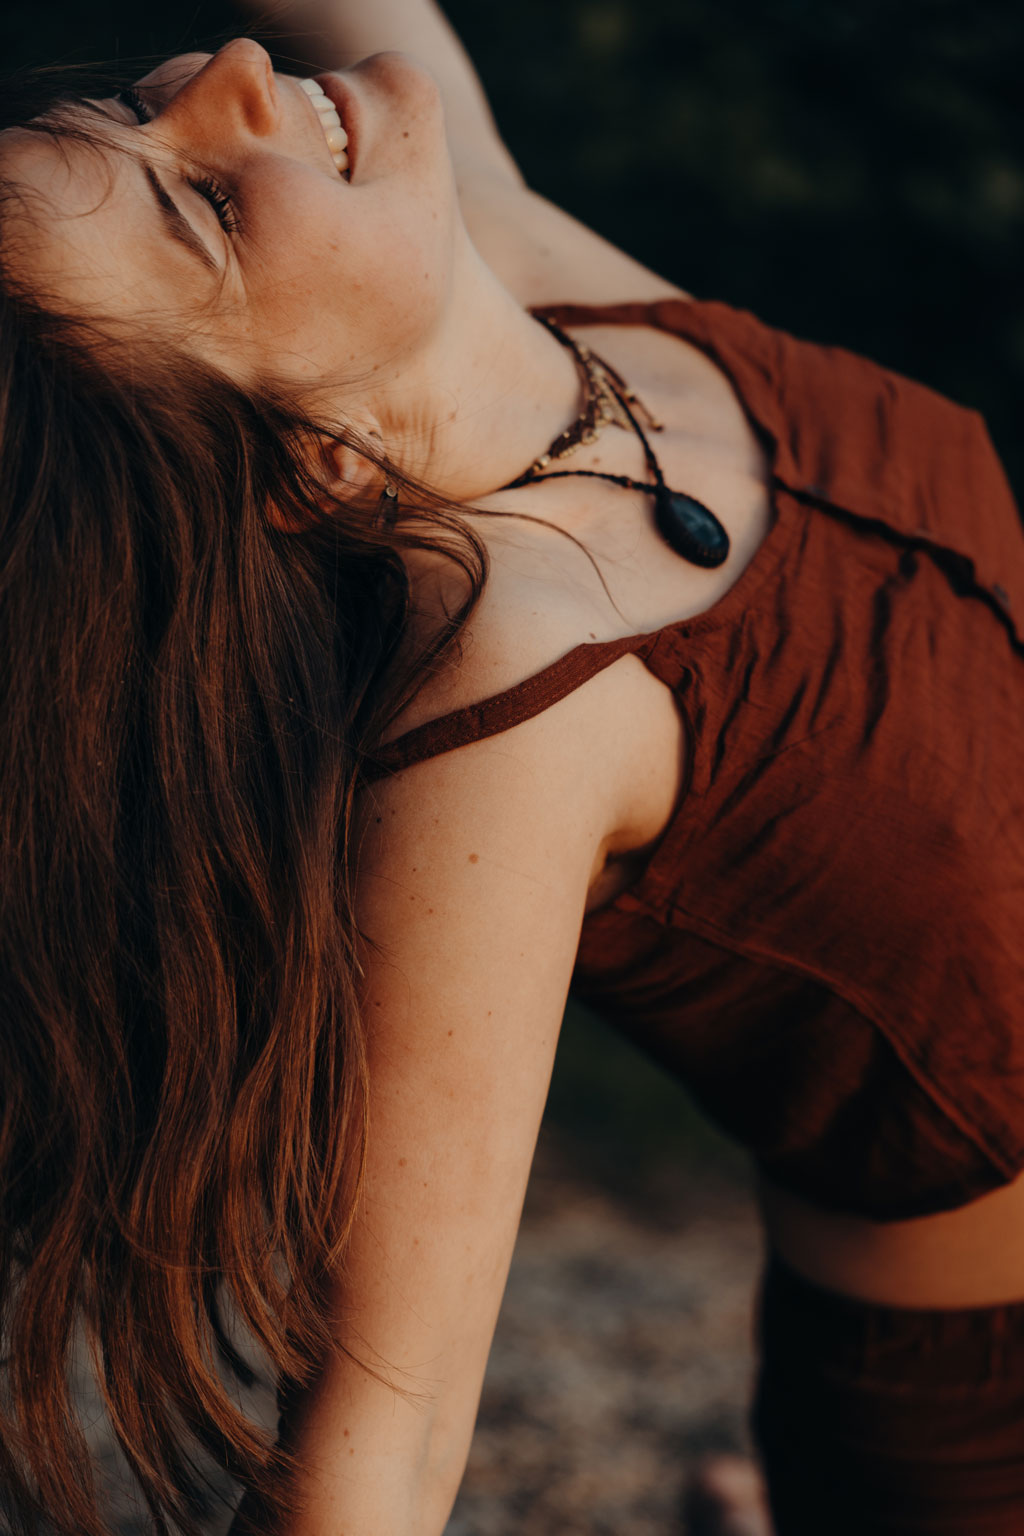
(472,879)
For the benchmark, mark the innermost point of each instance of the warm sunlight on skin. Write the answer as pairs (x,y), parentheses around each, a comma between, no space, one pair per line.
(369,289)
(319,273)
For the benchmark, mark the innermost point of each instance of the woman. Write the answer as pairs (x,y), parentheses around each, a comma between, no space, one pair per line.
(729,740)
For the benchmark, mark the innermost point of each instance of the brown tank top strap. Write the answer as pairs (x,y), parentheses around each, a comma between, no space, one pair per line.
(502,710)
(664,314)
(514,705)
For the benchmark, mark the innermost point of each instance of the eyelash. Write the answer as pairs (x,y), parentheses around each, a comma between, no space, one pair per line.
(219,200)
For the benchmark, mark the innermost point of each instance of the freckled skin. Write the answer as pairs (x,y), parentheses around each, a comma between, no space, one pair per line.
(331,297)
(370,290)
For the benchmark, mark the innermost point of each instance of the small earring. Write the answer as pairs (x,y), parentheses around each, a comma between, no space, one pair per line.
(387,506)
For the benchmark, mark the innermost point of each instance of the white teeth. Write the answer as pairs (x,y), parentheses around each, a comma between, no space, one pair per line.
(330,122)
(328,116)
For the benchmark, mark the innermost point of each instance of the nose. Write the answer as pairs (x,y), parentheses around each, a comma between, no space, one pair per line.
(236,82)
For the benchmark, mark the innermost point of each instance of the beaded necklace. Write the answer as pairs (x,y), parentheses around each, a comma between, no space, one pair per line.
(685,524)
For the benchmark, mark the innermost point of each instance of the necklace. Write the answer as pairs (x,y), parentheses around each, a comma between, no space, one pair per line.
(686,524)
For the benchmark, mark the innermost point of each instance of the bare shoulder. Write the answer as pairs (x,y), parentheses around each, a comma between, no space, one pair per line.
(532,611)
(610,748)
(541,253)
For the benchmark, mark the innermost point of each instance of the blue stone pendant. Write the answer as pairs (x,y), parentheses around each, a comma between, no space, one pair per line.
(690,528)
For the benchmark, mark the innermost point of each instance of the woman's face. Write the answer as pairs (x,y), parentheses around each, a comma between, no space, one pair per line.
(320,275)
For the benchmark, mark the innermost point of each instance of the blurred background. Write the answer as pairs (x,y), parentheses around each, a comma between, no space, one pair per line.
(854,173)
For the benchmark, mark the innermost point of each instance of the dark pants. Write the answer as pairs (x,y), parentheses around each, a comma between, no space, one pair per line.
(885,1421)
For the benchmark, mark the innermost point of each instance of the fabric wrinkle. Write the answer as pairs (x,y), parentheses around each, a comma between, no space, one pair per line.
(854,731)
(827,945)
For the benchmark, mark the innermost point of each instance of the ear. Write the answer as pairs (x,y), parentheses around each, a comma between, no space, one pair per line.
(346,472)
(343,471)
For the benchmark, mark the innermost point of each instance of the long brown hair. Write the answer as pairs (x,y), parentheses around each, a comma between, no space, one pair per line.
(187,694)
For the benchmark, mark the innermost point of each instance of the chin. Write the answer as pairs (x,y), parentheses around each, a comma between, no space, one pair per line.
(407,89)
(402,138)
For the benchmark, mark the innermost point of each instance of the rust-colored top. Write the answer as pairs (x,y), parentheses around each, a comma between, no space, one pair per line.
(828,944)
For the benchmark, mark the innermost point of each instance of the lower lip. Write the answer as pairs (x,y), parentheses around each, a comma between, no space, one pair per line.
(342,99)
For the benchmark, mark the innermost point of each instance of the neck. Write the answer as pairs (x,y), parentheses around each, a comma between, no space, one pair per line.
(487,396)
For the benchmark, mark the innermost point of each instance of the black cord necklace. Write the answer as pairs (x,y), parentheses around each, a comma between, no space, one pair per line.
(686,524)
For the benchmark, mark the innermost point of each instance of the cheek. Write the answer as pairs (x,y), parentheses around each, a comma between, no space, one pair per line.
(361,277)
(396,263)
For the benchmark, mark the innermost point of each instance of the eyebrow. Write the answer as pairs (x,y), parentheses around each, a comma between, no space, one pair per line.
(175,221)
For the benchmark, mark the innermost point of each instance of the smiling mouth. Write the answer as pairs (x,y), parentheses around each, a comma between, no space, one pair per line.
(330,121)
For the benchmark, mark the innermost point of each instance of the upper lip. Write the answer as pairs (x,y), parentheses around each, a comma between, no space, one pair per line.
(341,98)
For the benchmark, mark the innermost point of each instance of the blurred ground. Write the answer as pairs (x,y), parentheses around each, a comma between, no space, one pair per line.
(622,1356)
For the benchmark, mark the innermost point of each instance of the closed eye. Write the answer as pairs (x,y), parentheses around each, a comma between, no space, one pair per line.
(134,102)
(206,185)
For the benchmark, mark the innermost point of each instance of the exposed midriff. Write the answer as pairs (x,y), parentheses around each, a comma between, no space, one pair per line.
(970,1257)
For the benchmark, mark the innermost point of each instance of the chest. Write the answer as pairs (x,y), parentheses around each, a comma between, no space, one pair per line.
(707,447)
(870,696)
